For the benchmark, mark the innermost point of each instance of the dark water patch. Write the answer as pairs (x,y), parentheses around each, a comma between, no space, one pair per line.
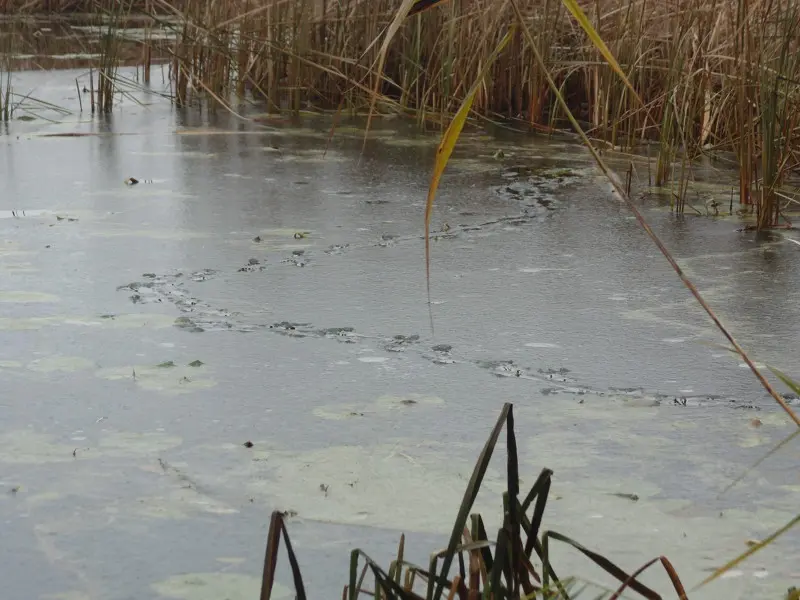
(340,334)
(188,324)
(253,265)
(302,330)
(501,368)
(299,258)
(559,375)
(203,275)
(198,317)
(335,249)
(440,355)
(400,343)
(388,239)
(291,329)
(201,317)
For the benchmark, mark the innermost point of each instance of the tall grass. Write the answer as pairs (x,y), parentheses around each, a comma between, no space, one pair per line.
(6,106)
(706,76)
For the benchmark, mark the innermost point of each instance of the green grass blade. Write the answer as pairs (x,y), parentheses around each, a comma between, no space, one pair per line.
(501,559)
(605,564)
(466,504)
(787,381)
(512,469)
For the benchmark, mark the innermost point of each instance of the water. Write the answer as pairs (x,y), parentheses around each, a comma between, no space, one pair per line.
(251,288)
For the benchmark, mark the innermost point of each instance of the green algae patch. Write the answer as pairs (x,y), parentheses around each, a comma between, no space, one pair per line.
(178,504)
(24,446)
(216,586)
(175,235)
(382,405)
(26,324)
(22,297)
(71,595)
(130,321)
(64,364)
(166,378)
(21,267)
(27,447)
(355,485)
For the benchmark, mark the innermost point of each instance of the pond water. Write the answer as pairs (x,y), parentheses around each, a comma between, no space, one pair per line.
(261,285)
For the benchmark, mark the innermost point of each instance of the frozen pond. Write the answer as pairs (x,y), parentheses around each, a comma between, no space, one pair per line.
(252,288)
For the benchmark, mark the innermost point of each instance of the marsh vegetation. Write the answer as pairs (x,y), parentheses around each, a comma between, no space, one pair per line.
(711,79)
(696,81)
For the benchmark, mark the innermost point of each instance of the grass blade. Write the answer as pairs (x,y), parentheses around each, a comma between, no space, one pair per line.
(540,491)
(466,504)
(602,562)
(671,573)
(271,555)
(515,545)
(277,527)
(787,381)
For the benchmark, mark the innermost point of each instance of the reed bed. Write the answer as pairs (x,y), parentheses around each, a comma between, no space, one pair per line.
(709,76)
(712,76)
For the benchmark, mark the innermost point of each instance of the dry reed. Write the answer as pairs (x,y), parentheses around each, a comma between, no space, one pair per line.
(713,75)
